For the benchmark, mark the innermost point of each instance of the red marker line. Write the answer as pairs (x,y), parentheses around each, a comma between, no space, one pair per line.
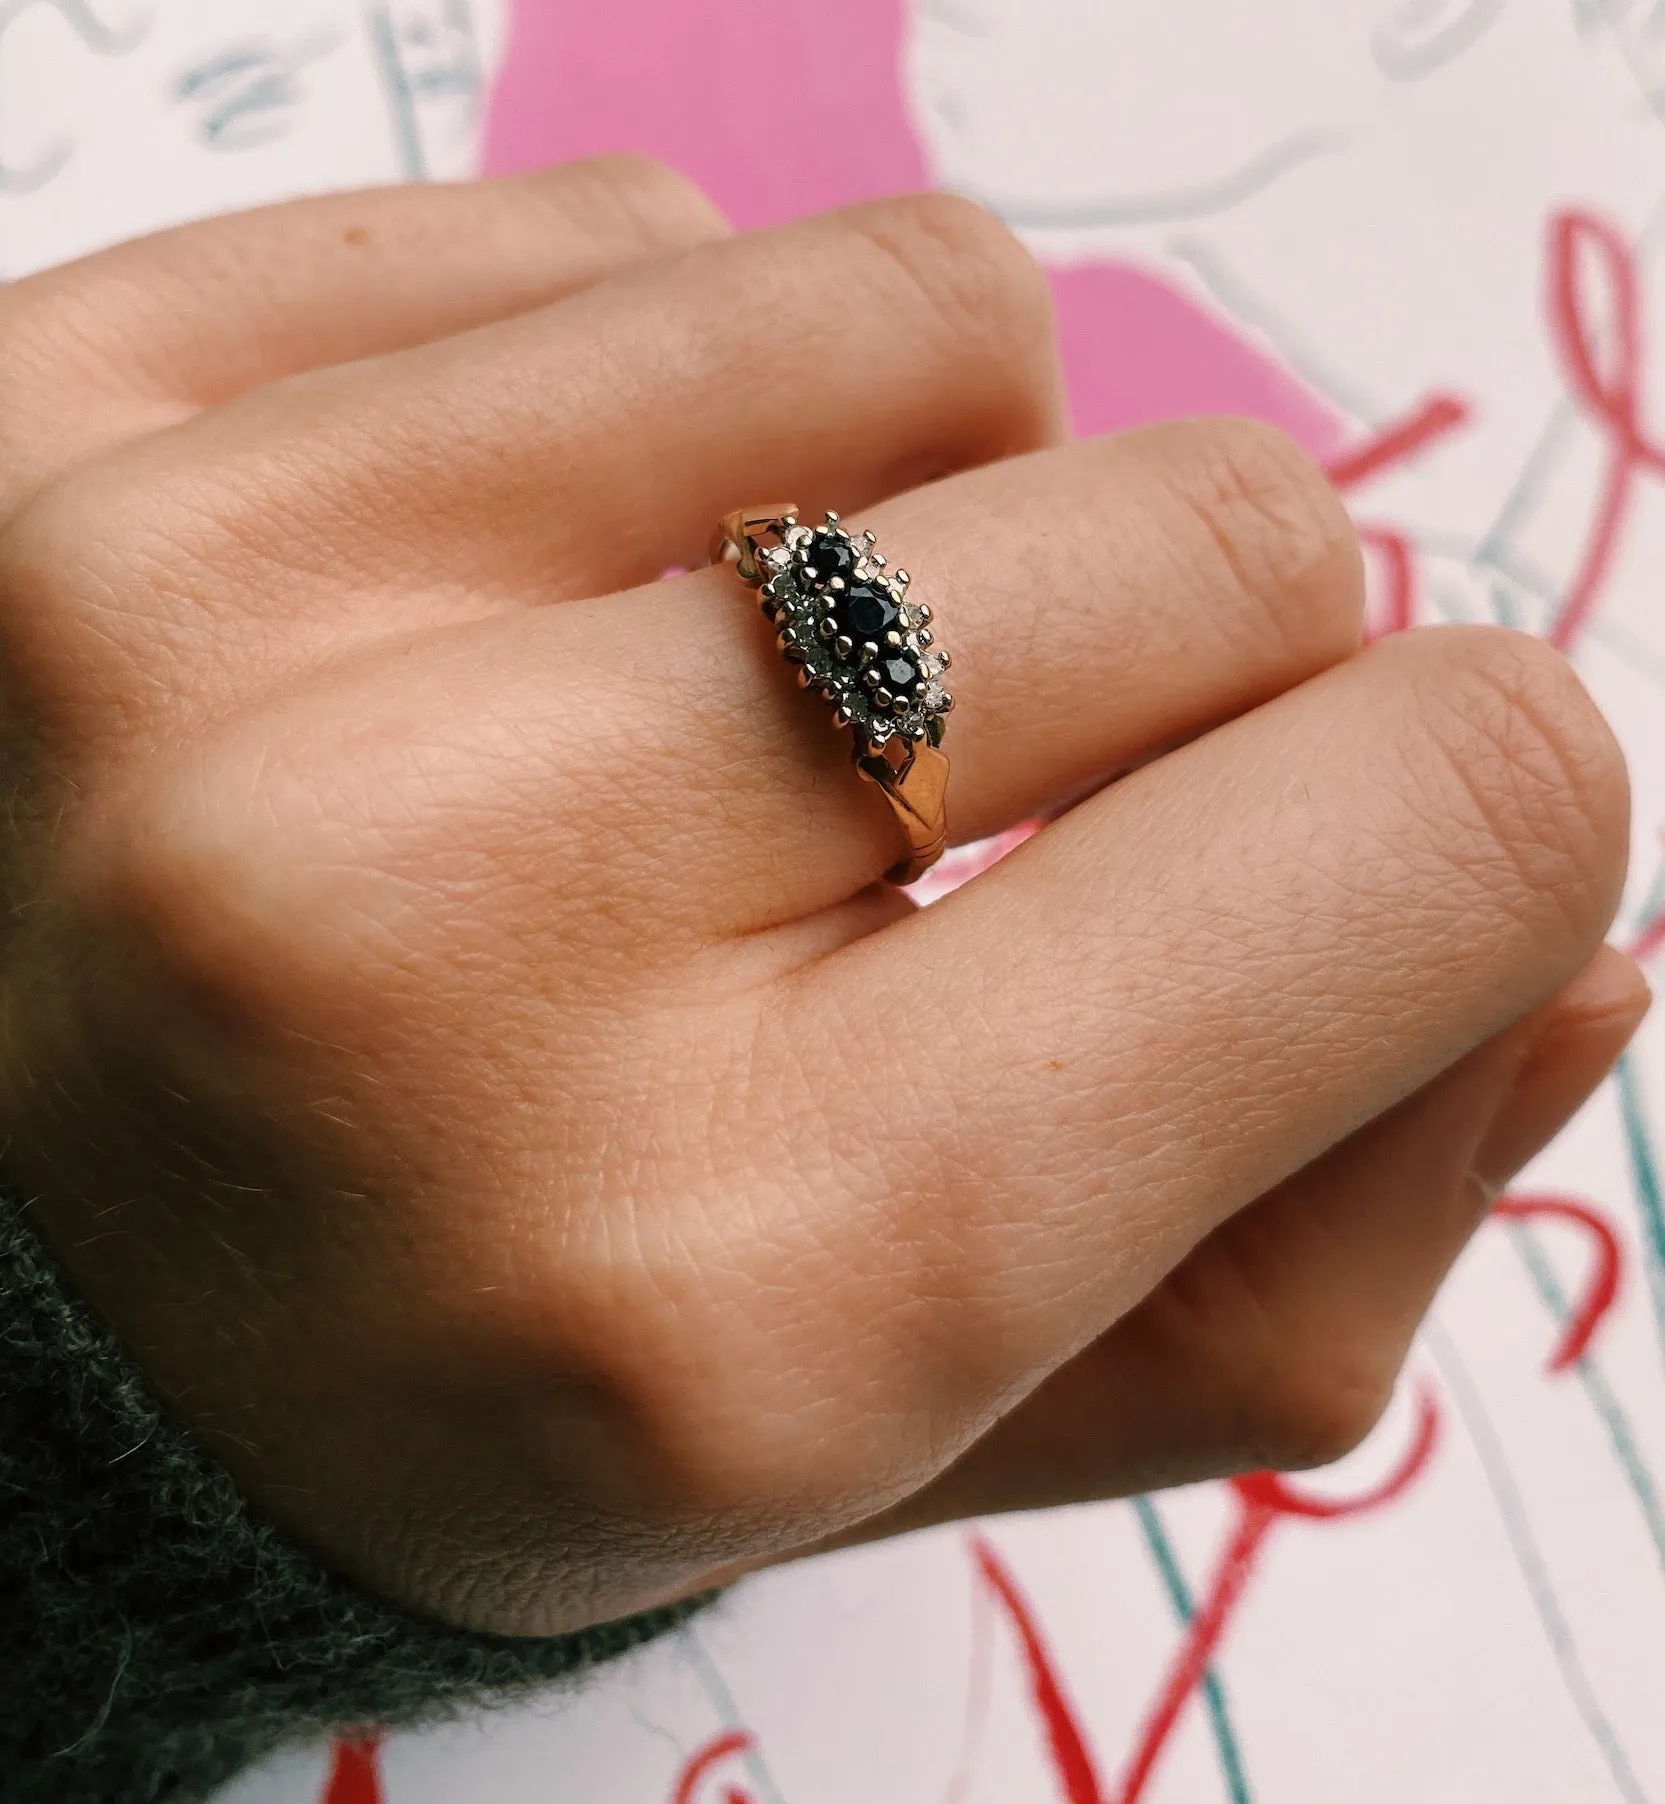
(1077,1776)
(1393,444)
(1650,939)
(354,1774)
(1399,571)
(1582,245)
(699,1764)
(1275,1492)
(1398,441)
(1262,1499)
(1601,1288)
(1196,1652)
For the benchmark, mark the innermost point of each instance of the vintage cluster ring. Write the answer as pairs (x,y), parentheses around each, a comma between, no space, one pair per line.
(862,645)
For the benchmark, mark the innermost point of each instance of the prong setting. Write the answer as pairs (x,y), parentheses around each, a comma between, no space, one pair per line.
(846,621)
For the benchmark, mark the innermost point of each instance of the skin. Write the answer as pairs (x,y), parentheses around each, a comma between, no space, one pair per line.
(453,1030)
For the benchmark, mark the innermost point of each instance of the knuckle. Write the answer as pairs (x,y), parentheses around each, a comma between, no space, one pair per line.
(206,870)
(68,391)
(737,1429)
(1283,541)
(173,885)
(1271,1390)
(46,549)
(734,1410)
(45,320)
(66,526)
(1541,776)
(26,352)
(652,203)
(85,323)
(1300,1417)
(94,568)
(976,281)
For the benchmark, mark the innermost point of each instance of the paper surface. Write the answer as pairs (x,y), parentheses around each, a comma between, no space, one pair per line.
(120,116)
(1423,235)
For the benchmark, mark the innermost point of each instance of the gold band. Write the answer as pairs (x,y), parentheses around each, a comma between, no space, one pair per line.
(917,790)
(813,581)
(743,532)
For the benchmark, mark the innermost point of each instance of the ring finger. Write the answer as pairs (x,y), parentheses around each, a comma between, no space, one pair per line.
(1101,600)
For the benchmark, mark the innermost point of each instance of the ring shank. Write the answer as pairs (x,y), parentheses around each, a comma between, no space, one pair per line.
(917,792)
(743,533)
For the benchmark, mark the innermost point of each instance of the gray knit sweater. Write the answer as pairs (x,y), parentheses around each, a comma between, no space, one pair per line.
(155,1637)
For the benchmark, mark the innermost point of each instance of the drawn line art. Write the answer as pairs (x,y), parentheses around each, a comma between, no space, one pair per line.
(407,85)
(1645,1183)
(355,1772)
(1254,315)
(1529,1559)
(1172,206)
(978,1690)
(1066,1741)
(413,162)
(1548,450)
(1650,933)
(1166,1562)
(1397,563)
(1598,1392)
(1398,442)
(1611,400)
(1395,443)
(102,39)
(248,92)
(703,1761)
(1262,1500)
(1601,1290)
(715,1687)
(81,17)
(1618,16)
(963,19)
(1650,939)
(1406,50)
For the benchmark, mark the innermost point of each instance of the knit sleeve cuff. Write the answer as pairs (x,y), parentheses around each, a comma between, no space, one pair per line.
(156,1637)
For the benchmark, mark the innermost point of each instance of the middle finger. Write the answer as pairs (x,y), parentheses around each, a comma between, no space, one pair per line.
(569,451)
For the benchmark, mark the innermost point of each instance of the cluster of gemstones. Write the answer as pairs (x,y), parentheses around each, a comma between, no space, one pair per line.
(860,643)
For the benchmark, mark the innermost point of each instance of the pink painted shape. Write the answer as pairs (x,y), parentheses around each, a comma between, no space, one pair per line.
(779,108)
(1136,350)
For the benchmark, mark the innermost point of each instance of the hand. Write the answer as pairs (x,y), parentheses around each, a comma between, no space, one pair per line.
(452,1027)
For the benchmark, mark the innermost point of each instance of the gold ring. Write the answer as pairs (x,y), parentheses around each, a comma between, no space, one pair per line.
(865,647)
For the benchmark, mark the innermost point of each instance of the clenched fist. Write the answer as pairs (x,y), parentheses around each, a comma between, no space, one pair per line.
(453,1029)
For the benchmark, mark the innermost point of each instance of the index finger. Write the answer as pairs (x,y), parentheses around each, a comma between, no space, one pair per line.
(142,335)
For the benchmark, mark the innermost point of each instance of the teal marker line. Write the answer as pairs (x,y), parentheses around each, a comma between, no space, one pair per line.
(1529,1557)
(1162,1555)
(728,1711)
(400,101)
(1608,1409)
(1644,1180)
(1654,900)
